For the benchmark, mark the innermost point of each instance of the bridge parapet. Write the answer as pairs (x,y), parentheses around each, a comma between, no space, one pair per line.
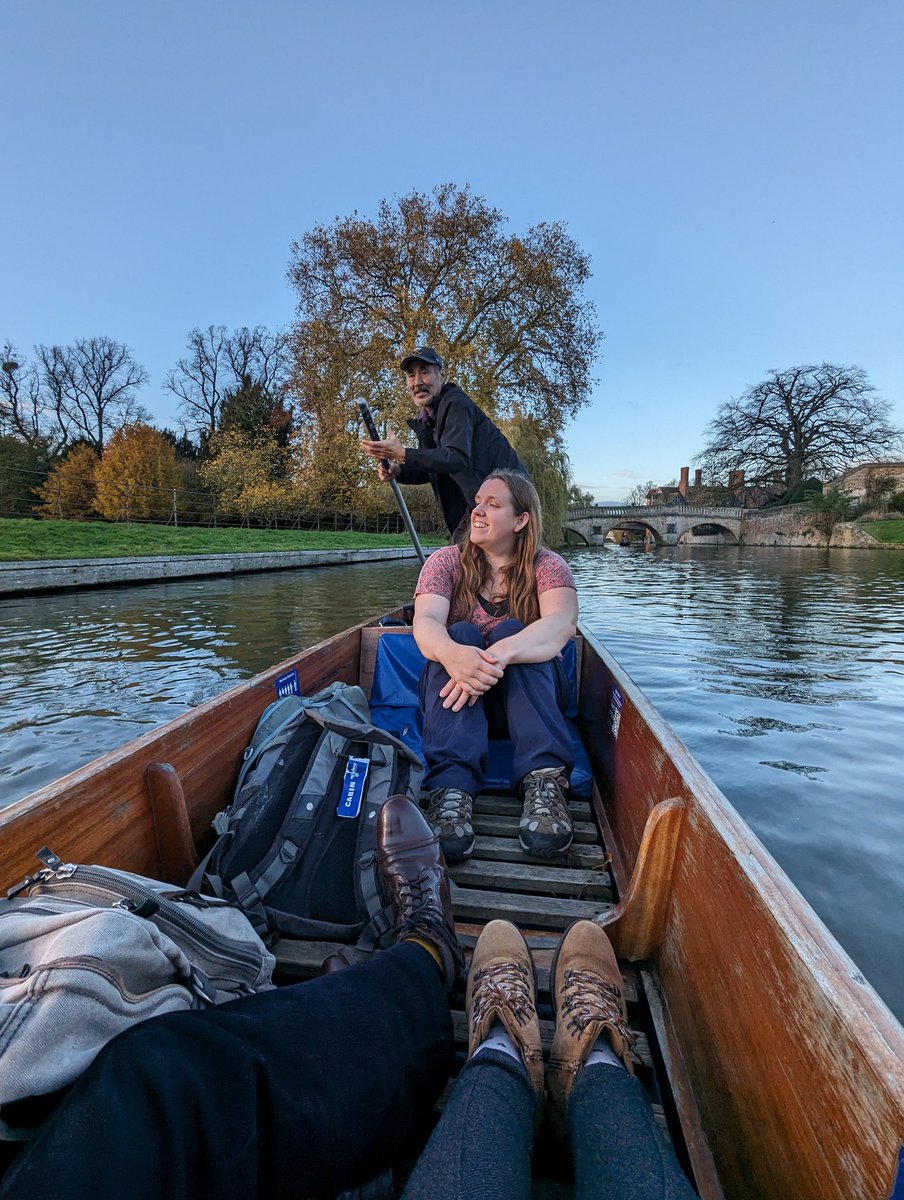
(640,512)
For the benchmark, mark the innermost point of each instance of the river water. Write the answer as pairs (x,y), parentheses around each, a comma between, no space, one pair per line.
(782,671)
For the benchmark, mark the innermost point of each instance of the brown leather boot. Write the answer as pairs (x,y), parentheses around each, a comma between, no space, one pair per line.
(586,987)
(339,961)
(414,874)
(502,987)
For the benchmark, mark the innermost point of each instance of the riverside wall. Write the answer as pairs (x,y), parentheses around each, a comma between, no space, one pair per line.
(793,526)
(53,575)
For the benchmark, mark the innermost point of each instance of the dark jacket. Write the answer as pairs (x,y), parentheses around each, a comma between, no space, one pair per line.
(456,451)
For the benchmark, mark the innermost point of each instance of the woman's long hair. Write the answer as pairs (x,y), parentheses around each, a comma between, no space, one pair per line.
(520,574)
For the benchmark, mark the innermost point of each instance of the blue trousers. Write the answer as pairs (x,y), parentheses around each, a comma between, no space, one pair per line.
(297,1092)
(527,705)
(481,1148)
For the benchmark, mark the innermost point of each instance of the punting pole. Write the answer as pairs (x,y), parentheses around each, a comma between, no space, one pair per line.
(371,426)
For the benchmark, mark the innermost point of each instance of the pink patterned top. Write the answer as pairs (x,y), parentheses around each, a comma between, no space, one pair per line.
(439,573)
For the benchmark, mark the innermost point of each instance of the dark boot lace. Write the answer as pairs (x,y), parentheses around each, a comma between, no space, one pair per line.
(419,915)
(544,796)
(502,986)
(588,998)
(449,806)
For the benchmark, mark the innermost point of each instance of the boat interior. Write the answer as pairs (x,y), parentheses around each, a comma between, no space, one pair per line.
(738,994)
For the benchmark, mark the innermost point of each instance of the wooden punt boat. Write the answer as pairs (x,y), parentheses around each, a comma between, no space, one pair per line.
(773,1065)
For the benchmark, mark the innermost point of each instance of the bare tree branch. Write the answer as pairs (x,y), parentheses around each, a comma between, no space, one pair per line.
(802,422)
(91,387)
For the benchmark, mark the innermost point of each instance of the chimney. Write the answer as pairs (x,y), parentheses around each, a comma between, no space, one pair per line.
(698,477)
(682,483)
(736,480)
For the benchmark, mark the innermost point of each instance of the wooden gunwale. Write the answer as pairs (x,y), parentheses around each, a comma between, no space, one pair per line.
(794,1064)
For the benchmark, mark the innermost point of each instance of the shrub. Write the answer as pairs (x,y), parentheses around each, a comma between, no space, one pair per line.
(69,490)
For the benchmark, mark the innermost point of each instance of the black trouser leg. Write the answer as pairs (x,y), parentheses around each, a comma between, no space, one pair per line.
(295,1092)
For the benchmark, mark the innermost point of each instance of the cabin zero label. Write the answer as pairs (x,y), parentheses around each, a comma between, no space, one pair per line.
(352,787)
(616,702)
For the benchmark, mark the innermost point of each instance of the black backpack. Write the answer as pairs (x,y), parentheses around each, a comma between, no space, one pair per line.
(297,846)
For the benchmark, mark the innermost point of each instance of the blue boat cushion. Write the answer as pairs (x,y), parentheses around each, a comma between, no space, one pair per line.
(394,707)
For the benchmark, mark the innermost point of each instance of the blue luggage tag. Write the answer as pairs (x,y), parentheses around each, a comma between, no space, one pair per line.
(353,787)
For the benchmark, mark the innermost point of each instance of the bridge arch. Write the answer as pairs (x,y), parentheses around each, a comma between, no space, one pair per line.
(667,524)
(709,533)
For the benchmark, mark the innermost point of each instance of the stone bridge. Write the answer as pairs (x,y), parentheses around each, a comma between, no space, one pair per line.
(668,525)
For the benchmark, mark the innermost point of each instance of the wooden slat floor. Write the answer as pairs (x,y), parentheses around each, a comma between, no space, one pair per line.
(542,898)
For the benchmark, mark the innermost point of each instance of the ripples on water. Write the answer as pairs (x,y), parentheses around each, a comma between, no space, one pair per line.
(81,673)
(782,670)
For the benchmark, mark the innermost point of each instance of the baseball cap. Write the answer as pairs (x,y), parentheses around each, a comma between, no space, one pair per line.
(423,353)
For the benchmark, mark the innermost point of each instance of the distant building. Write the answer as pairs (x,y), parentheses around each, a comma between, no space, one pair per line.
(733,495)
(854,480)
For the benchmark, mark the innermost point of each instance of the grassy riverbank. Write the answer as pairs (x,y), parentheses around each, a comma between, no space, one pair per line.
(29,541)
(884,531)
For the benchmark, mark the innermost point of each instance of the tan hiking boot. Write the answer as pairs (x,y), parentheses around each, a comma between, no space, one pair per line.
(587,991)
(502,987)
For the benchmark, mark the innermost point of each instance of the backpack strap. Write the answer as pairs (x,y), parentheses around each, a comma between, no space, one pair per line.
(380,913)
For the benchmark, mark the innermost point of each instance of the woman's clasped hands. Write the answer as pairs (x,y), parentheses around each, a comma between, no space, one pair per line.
(472,672)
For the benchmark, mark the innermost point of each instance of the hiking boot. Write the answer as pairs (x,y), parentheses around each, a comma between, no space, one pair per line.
(502,987)
(545,829)
(414,874)
(449,812)
(586,988)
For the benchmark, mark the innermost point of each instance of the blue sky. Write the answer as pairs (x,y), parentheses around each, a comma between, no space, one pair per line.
(733,167)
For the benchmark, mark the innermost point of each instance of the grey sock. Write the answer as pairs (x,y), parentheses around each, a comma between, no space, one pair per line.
(498,1038)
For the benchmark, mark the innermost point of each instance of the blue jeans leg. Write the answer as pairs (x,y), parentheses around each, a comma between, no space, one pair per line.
(618,1152)
(454,744)
(533,698)
(481,1148)
(301,1091)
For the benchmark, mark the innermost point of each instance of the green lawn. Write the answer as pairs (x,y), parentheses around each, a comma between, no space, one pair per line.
(885,531)
(22,540)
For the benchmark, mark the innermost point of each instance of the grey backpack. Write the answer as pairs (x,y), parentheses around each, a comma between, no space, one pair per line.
(297,846)
(87,951)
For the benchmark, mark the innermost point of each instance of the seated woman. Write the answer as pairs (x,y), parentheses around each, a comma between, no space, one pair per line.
(491,615)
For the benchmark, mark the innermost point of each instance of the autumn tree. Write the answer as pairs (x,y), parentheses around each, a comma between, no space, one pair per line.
(809,420)
(218,362)
(91,387)
(136,475)
(247,473)
(507,312)
(69,489)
